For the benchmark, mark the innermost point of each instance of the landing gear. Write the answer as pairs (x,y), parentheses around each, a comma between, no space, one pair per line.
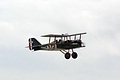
(74,55)
(67,55)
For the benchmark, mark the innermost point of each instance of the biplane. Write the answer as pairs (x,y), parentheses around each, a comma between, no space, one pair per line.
(63,43)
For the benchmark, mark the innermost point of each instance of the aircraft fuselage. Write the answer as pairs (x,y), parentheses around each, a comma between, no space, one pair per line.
(59,45)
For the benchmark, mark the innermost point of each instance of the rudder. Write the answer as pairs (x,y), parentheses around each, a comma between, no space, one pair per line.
(34,44)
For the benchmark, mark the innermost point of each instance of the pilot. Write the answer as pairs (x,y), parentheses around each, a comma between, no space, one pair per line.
(57,41)
(60,40)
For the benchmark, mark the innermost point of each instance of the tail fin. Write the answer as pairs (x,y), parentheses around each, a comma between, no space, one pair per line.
(34,44)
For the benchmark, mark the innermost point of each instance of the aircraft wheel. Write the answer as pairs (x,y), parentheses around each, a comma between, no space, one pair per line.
(74,55)
(67,55)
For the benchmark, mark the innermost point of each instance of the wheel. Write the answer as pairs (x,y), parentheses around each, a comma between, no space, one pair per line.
(74,55)
(67,55)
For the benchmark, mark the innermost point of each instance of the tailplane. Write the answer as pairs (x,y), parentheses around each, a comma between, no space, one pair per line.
(34,44)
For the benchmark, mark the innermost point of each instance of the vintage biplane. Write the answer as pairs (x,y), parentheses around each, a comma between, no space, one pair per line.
(63,43)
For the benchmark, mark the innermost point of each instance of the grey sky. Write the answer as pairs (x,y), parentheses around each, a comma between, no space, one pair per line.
(21,19)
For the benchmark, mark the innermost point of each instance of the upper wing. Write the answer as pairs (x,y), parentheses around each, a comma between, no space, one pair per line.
(63,35)
(77,34)
(54,35)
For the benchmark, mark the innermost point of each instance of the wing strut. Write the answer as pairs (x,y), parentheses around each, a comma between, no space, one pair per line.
(49,42)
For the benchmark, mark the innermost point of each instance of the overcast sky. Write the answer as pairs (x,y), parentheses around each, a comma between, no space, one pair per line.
(22,19)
